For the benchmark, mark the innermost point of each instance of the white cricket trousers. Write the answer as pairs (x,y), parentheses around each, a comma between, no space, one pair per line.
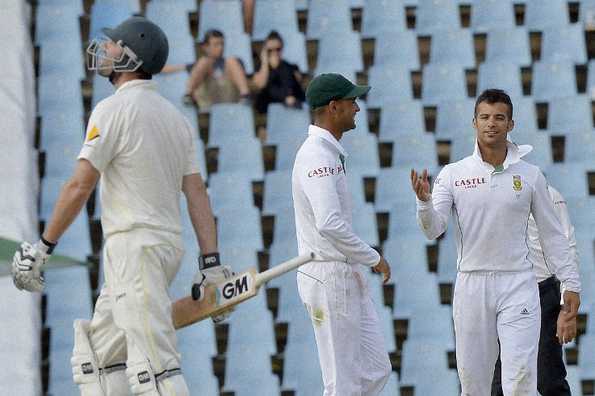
(132,319)
(351,348)
(492,306)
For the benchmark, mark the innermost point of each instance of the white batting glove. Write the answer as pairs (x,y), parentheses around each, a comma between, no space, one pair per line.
(27,263)
(214,273)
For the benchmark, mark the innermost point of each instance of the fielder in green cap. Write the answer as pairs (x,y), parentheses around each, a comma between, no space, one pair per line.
(351,348)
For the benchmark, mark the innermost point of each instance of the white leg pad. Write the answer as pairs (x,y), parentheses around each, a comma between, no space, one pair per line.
(141,379)
(85,370)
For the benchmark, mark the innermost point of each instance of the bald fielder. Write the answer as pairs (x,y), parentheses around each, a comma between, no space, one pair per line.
(334,289)
(491,195)
(143,149)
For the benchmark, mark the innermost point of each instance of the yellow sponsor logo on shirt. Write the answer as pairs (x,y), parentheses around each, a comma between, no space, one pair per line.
(92,134)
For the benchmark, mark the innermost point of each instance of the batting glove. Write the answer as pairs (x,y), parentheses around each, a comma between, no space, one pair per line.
(27,263)
(210,267)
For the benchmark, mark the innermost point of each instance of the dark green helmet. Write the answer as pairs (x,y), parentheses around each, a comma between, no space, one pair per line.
(145,39)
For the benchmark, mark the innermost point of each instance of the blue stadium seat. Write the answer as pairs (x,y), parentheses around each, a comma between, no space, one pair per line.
(102,88)
(243,379)
(56,21)
(251,324)
(294,50)
(239,259)
(238,45)
(245,158)
(415,151)
(392,386)
(591,79)
(488,15)
(453,47)
(510,44)
(69,62)
(502,75)
(63,127)
(229,123)
(274,15)
(230,190)
(284,229)
(389,188)
(381,17)
(301,5)
(385,316)
(107,14)
(541,155)
(569,179)
(443,82)
(570,115)
(362,152)
(462,146)
(587,13)
(244,234)
(397,48)
(282,250)
(447,255)
(337,49)
(225,16)
(524,116)
(587,358)
(553,80)
(362,126)
(538,17)
(290,305)
(356,185)
(436,15)
(577,207)
(402,219)
(57,92)
(286,151)
(364,224)
(454,118)
(564,43)
(391,83)
(284,123)
(325,16)
(61,157)
(277,192)
(580,147)
(170,85)
(403,118)
(188,5)
(68,297)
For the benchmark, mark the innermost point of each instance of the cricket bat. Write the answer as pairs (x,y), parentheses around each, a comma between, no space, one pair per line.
(220,298)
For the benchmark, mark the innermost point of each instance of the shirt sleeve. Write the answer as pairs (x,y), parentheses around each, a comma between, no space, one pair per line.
(432,216)
(192,165)
(554,243)
(103,139)
(319,183)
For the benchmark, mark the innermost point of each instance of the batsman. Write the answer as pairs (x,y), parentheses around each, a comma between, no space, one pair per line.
(143,149)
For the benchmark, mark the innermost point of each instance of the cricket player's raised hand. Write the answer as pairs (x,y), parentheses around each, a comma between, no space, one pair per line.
(27,263)
(382,268)
(421,185)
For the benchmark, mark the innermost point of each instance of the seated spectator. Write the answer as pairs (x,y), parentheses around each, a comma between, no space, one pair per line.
(277,81)
(215,79)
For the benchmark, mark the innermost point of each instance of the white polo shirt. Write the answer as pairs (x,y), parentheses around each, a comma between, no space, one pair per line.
(491,209)
(322,202)
(142,146)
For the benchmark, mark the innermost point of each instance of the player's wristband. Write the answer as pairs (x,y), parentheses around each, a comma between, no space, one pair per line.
(210,260)
(48,245)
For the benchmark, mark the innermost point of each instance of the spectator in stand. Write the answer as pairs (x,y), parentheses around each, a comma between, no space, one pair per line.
(214,78)
(276,81)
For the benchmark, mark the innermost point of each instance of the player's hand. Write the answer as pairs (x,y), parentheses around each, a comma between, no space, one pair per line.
(215,273)
(565,328)
(382,268)
(188,100)
(421,185)
(198,286)
(572,302)
(26,266)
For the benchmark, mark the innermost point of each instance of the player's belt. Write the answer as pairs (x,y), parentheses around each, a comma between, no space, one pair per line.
(167,373)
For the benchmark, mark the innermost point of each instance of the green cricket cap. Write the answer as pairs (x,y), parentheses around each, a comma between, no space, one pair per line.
(332,86)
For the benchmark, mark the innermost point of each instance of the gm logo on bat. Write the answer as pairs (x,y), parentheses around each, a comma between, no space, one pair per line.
(236,287)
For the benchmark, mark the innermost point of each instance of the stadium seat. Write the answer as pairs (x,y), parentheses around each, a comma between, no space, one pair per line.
(501,75)
(107,14)
(356,186)
(364,224)
(61,157)
(251,324)
(569,179)
(587,13)
(277,192)
(591,79)
(325,16)
(415,151)
(510,44)
(488,15)
(284,123)
(55,21)
(462,146)
(453,47)
(102,88)
(282,250)
(381,17)
(586,358)
(570,115)
(244,234)
(70,62)
(284,228)
(403,118)
(274,15)
(240,259)
(577,207)
(538,17)
(230,123)
(230,190)
(447,255)
(64,128)
(245,158)
(453,118)
(425,366)
(248,368)
(362,150)
(580,147)
(524,116)
(294,50)
(285,153)
(553,80)
(338,49)
(390,184)
(225,16)
(442,82)
(564,43)
(385,317)
(391,83)
(435,15)
(58,91)
(238,45)
(289,303)
(68,297)
(541,155)
(392,386)
(402,219)
(396,48)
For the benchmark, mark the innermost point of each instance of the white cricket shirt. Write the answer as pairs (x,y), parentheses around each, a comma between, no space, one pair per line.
(142,146)
(322,202)
(491,210)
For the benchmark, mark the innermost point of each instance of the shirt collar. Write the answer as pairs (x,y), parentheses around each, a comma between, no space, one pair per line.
(322,133)
(512,155)
(143,84)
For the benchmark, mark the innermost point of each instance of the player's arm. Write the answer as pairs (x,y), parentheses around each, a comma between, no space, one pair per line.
(432,209)
(199,210)
(555,244)
(321,190)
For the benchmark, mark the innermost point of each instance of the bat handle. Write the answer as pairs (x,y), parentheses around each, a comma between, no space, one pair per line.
(282,268)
